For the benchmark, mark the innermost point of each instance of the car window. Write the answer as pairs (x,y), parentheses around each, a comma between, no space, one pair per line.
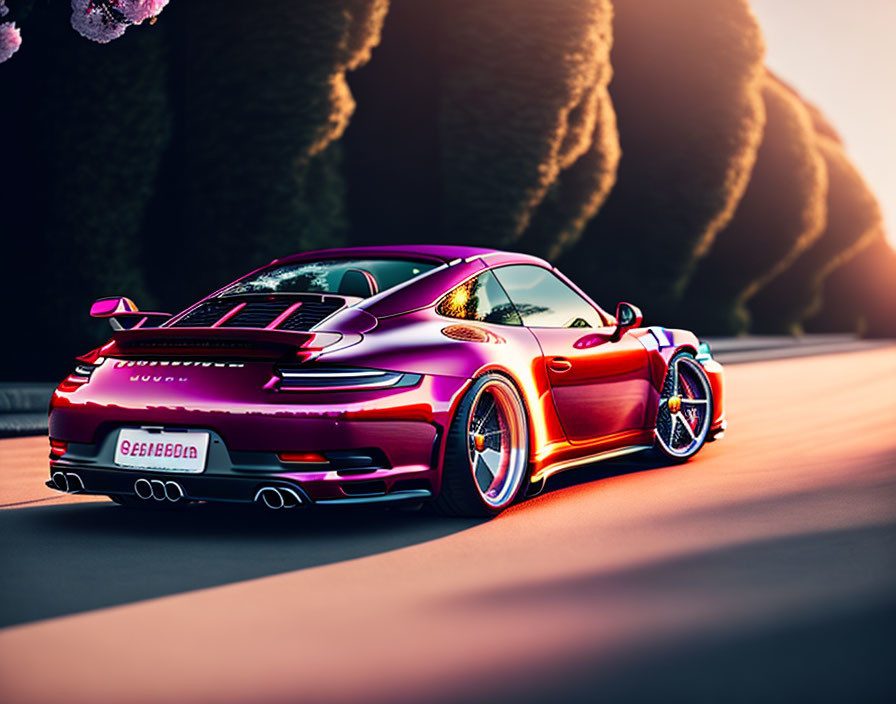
(543,300)
(481,298)
(328,276)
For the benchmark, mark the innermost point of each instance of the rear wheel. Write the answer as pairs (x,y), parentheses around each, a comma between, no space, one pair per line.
(486,451)
(685,409)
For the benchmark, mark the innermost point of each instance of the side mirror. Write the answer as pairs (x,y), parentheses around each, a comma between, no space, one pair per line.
(627,317)
(123,314)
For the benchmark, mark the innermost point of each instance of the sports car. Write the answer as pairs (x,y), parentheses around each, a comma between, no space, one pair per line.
(459,376)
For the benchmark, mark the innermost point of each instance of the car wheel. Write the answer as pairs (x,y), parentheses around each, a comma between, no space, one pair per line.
(685,409)
(486,451)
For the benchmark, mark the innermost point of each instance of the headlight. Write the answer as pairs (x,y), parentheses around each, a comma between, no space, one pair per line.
(341,379)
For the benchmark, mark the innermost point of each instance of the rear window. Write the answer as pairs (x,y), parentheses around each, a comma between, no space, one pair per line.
(351,277)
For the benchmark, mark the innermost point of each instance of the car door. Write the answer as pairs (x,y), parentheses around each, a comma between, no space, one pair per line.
(599,385)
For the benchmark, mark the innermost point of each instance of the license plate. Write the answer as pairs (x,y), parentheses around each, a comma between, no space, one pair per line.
(161,451)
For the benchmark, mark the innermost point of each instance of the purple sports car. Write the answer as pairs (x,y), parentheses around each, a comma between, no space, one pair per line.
(457,375)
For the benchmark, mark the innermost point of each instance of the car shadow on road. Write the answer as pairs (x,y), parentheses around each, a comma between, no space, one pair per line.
(71,558)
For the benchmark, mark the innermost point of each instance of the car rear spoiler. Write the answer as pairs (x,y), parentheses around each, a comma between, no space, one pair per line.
(219,342)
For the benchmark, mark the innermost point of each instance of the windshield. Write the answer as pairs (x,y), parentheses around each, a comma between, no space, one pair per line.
(349,277)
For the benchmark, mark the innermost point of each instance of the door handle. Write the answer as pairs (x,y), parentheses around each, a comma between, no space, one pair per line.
(559,364)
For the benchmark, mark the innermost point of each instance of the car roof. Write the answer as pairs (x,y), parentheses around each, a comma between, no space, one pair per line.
(439,252)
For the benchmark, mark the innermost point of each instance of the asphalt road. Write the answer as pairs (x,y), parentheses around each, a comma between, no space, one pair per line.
(764,569)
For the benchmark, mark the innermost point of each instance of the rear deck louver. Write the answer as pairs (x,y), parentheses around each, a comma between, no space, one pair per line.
(237,313)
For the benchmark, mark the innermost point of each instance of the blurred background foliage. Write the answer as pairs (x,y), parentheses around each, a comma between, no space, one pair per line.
(639,144)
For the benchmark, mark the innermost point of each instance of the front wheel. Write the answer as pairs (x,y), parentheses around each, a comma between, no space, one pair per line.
(685,409)
(486,451)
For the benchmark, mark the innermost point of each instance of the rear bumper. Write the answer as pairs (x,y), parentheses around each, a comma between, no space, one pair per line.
(232,489)
(401,432)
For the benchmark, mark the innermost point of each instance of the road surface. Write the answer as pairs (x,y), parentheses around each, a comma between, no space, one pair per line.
(764,569)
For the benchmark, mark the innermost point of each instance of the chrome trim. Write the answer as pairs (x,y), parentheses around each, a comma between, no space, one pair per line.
(351,387)
(277,497)
(169,491)
(159,493)
(140,483)
(563,465)
(287,492)
(395,496)
(60,481)
(71,478)
(334,374)
(272,498)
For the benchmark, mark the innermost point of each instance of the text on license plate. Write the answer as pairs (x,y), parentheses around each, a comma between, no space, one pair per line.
(162,451)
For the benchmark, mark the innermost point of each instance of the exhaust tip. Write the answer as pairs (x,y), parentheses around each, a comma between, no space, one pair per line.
(290,498)
(158,489)
(272,498)
(143,489)
(174,492)
(75,483)
(277,497)
(60,481)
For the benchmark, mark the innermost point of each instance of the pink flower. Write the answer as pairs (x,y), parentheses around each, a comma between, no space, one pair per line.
(99,21)
(10,40)
(138,10)
(105,20)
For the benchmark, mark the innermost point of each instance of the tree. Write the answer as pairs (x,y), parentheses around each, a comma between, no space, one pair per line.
(860,296)
(525,116)
(85,144)
(262,96)
(483,123)
(686,90)
(782,212)
(853,222)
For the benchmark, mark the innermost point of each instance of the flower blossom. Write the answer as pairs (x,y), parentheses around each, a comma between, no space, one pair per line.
(10,40)
(105,20)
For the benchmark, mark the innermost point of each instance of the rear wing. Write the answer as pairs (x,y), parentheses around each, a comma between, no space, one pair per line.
(218,342)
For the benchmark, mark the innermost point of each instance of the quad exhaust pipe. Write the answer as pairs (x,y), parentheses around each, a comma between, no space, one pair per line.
(69,482)
(158,490)
(277,497)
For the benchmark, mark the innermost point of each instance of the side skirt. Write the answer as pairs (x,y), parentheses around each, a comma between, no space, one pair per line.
(551,469)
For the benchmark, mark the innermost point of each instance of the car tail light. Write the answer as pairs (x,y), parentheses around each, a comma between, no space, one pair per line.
(340,379)
(82,373)
(303,457)
(57,449)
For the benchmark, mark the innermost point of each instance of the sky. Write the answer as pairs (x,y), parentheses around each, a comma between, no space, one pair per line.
(841,55)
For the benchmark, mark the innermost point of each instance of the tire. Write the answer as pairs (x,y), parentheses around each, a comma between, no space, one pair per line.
(685,410)
(486,451)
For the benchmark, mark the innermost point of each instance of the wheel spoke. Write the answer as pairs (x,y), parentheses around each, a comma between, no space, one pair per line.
(672,431)
(500,431)
(492,460)
(702,401)
(484,418)
(687,426)
(674,370)
(481,472)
